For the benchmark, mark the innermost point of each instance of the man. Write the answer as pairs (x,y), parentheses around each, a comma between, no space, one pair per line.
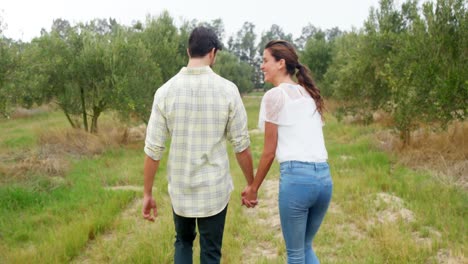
(199,110)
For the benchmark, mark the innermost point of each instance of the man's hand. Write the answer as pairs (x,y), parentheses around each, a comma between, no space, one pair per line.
(249,197)
(149,204)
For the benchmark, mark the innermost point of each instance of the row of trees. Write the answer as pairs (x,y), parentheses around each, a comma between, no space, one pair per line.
(89,68)
(101,65)
(410,61)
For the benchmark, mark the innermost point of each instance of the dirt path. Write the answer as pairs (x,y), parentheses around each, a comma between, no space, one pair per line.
(387,208)
(266,216)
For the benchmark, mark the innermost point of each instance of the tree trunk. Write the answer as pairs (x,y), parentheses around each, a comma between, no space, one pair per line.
(97,110)
(69,119)
(83,109)
(405,135)
(94,122)
(67,115)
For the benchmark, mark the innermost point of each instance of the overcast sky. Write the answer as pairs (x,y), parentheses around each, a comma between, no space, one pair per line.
(25,18)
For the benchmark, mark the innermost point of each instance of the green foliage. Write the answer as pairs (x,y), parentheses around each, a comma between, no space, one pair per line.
(90,68)
(316,49)
(97,66)
(311,31)
(230,67)
(136,76)
(351,77)
(410,62)
(275,32)
(243,46)
(8,65)
(317,56)
(163,41)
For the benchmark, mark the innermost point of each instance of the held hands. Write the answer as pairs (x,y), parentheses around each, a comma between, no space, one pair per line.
(249,197)
(149,204)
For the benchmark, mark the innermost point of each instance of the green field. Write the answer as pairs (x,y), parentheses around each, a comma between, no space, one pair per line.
(380,212)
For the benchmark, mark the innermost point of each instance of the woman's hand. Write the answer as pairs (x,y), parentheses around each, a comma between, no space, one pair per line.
(249,197)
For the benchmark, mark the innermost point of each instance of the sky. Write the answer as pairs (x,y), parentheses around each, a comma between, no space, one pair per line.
(24,19)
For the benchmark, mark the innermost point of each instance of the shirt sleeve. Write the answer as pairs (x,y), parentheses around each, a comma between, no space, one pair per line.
(157,131)
(237,131)
(270,107)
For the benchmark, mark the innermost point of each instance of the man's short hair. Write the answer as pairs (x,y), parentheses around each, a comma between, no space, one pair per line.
(202,40)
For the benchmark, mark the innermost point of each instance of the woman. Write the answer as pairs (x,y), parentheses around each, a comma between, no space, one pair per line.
(291,117)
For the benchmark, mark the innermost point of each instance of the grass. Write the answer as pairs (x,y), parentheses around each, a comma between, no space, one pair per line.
(74,218)
(49,226)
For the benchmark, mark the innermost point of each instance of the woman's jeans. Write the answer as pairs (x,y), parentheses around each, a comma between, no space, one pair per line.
(304,195)
(211,231)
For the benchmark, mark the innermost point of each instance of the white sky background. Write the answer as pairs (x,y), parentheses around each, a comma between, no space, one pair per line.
(25,18)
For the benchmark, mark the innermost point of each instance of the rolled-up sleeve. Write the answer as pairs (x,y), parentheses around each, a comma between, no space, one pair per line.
(157,131)
(237,131)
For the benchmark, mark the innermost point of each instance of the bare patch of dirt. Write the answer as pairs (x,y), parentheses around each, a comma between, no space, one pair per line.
(348,228)
(21,112)
(262,250)
(390,208)
(125,188)
(351,230)
(346,157)
(428,239)
(335,208)
(445,256)
(266,215)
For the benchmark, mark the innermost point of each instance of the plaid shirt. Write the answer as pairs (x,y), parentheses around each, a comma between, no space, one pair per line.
(199,110)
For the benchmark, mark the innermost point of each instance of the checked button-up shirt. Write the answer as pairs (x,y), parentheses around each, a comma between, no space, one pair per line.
(199,111)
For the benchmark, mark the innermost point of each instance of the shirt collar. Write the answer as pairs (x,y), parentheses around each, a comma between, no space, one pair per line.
(196,70)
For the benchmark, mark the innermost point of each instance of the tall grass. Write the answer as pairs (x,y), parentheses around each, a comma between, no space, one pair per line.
(381,212)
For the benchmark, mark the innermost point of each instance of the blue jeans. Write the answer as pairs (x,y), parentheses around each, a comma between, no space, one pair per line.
(304,195)
(211,231)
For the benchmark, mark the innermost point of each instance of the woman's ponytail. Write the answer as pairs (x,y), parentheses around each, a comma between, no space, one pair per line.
(304,78)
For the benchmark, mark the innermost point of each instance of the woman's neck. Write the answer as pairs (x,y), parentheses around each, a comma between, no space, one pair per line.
(284,79)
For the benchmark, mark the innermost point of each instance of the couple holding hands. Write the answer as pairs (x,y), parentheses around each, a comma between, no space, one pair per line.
(199,111)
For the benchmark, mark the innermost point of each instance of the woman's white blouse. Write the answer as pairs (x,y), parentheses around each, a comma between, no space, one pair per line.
(300,135)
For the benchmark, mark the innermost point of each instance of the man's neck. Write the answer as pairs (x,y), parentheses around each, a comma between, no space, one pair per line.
(198,62)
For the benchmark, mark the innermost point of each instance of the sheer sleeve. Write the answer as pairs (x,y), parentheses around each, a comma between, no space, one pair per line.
(270,108)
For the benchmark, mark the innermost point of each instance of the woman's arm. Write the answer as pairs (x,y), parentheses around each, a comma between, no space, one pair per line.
(267,158)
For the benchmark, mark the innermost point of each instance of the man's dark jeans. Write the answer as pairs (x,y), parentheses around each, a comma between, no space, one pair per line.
(211,231)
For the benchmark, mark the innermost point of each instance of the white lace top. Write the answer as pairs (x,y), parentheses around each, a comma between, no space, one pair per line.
(300,135)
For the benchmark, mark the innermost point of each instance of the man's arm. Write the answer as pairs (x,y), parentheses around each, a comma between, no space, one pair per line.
(150,168)
(156,135)
(238,135)
(244,158)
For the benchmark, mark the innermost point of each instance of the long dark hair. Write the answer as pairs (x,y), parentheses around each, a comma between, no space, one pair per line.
(281,49)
